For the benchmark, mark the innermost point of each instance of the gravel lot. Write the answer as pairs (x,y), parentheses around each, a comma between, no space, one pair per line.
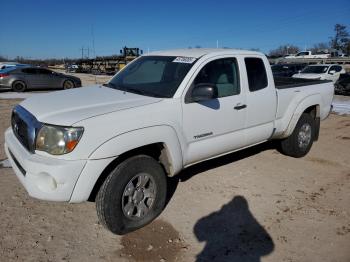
(253,205)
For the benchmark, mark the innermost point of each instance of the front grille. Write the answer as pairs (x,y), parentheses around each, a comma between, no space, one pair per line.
(25,127)
(20,129)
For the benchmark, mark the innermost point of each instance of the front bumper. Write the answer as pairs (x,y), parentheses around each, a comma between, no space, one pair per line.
(2,86)
(44,178)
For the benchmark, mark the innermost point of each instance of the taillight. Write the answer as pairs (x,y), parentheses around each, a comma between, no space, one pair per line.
(3,75)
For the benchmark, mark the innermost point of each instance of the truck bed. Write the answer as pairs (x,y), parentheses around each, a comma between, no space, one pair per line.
(290,82)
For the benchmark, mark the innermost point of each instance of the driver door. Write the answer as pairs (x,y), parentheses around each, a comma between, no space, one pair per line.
(215,126)
(45,78)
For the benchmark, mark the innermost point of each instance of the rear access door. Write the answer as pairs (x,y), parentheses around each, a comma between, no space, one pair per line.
(261,99)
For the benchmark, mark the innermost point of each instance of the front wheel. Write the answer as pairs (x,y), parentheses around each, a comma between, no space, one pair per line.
(299,143)
(132,195)
(68,84)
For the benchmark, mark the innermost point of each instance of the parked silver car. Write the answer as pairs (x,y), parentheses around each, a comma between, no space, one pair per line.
(21,78)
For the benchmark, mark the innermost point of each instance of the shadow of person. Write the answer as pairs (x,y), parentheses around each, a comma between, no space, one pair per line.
(232,234)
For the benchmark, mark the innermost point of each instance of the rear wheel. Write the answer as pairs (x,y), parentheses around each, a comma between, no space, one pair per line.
(299,143)
(68,84)
(132,195)
(19,86)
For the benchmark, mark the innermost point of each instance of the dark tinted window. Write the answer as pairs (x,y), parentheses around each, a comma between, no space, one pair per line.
(29,70)
(302,53)
(316,69)
(223,73)
(256,72)
(44,71)
(337,68)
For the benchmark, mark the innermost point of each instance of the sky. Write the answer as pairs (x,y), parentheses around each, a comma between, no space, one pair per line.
(57,29)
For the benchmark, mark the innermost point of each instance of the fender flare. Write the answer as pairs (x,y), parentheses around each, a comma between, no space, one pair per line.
(107,152)
(130,140)
(312,100)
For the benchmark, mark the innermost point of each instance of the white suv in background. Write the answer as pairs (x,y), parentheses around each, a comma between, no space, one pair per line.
(321,72)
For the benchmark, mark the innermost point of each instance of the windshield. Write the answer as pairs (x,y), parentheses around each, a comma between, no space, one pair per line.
(157,76)
(315,70)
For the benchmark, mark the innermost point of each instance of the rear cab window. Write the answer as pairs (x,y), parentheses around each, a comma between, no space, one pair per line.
(256,73)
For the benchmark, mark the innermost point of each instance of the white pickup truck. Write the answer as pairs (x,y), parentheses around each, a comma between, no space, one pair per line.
(309,54)
(117,143)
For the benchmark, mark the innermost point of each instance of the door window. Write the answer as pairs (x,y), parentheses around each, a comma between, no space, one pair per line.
(31,71)
(43,71)
(257,78)
(223,73)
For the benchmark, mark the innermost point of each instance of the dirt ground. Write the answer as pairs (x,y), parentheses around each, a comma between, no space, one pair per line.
(253,205)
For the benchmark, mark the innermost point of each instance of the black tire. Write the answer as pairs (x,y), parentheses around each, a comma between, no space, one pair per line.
(111,199)
(19,86)
(299,143)
(68,84)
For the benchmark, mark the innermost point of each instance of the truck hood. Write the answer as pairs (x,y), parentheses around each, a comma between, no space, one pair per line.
(70,106)
(308,76)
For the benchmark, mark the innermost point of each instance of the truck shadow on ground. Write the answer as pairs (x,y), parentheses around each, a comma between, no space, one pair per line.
(232,234)
(191,171)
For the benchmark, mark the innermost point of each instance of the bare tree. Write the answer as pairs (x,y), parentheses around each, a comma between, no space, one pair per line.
(341,39)
(284,50)
(319,47)
(2,58)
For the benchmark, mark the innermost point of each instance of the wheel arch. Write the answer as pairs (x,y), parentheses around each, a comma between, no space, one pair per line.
(14,80)
(157,151)
(162,144)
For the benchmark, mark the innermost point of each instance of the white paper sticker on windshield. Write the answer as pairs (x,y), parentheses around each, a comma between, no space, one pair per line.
(184,59)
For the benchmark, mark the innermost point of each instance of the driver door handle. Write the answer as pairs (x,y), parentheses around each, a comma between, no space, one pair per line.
(239,107)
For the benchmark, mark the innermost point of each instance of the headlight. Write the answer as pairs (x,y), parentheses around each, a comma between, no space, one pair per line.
(57,140)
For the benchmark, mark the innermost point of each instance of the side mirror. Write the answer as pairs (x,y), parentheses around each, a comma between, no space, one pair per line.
(203,92)
(332,72)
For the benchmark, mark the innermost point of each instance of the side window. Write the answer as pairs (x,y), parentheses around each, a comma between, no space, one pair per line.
(223,73)
(302,54)
(257,78)
(43,71)
(338,68)
(31,71)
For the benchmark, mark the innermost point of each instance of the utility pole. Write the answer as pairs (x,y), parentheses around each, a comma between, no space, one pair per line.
(93,40)
(82,52)
(217,43)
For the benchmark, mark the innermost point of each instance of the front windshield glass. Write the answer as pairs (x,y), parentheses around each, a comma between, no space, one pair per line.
(315,70)
(157,76)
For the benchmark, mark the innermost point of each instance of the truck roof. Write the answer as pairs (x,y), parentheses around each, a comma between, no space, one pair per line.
(198,52)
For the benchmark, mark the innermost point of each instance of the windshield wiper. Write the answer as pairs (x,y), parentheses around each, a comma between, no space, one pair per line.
(132,90)
(111,85)
(142,92)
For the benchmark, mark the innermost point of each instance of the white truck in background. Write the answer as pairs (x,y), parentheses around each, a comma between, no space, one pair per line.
(308,54)
(117,143)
